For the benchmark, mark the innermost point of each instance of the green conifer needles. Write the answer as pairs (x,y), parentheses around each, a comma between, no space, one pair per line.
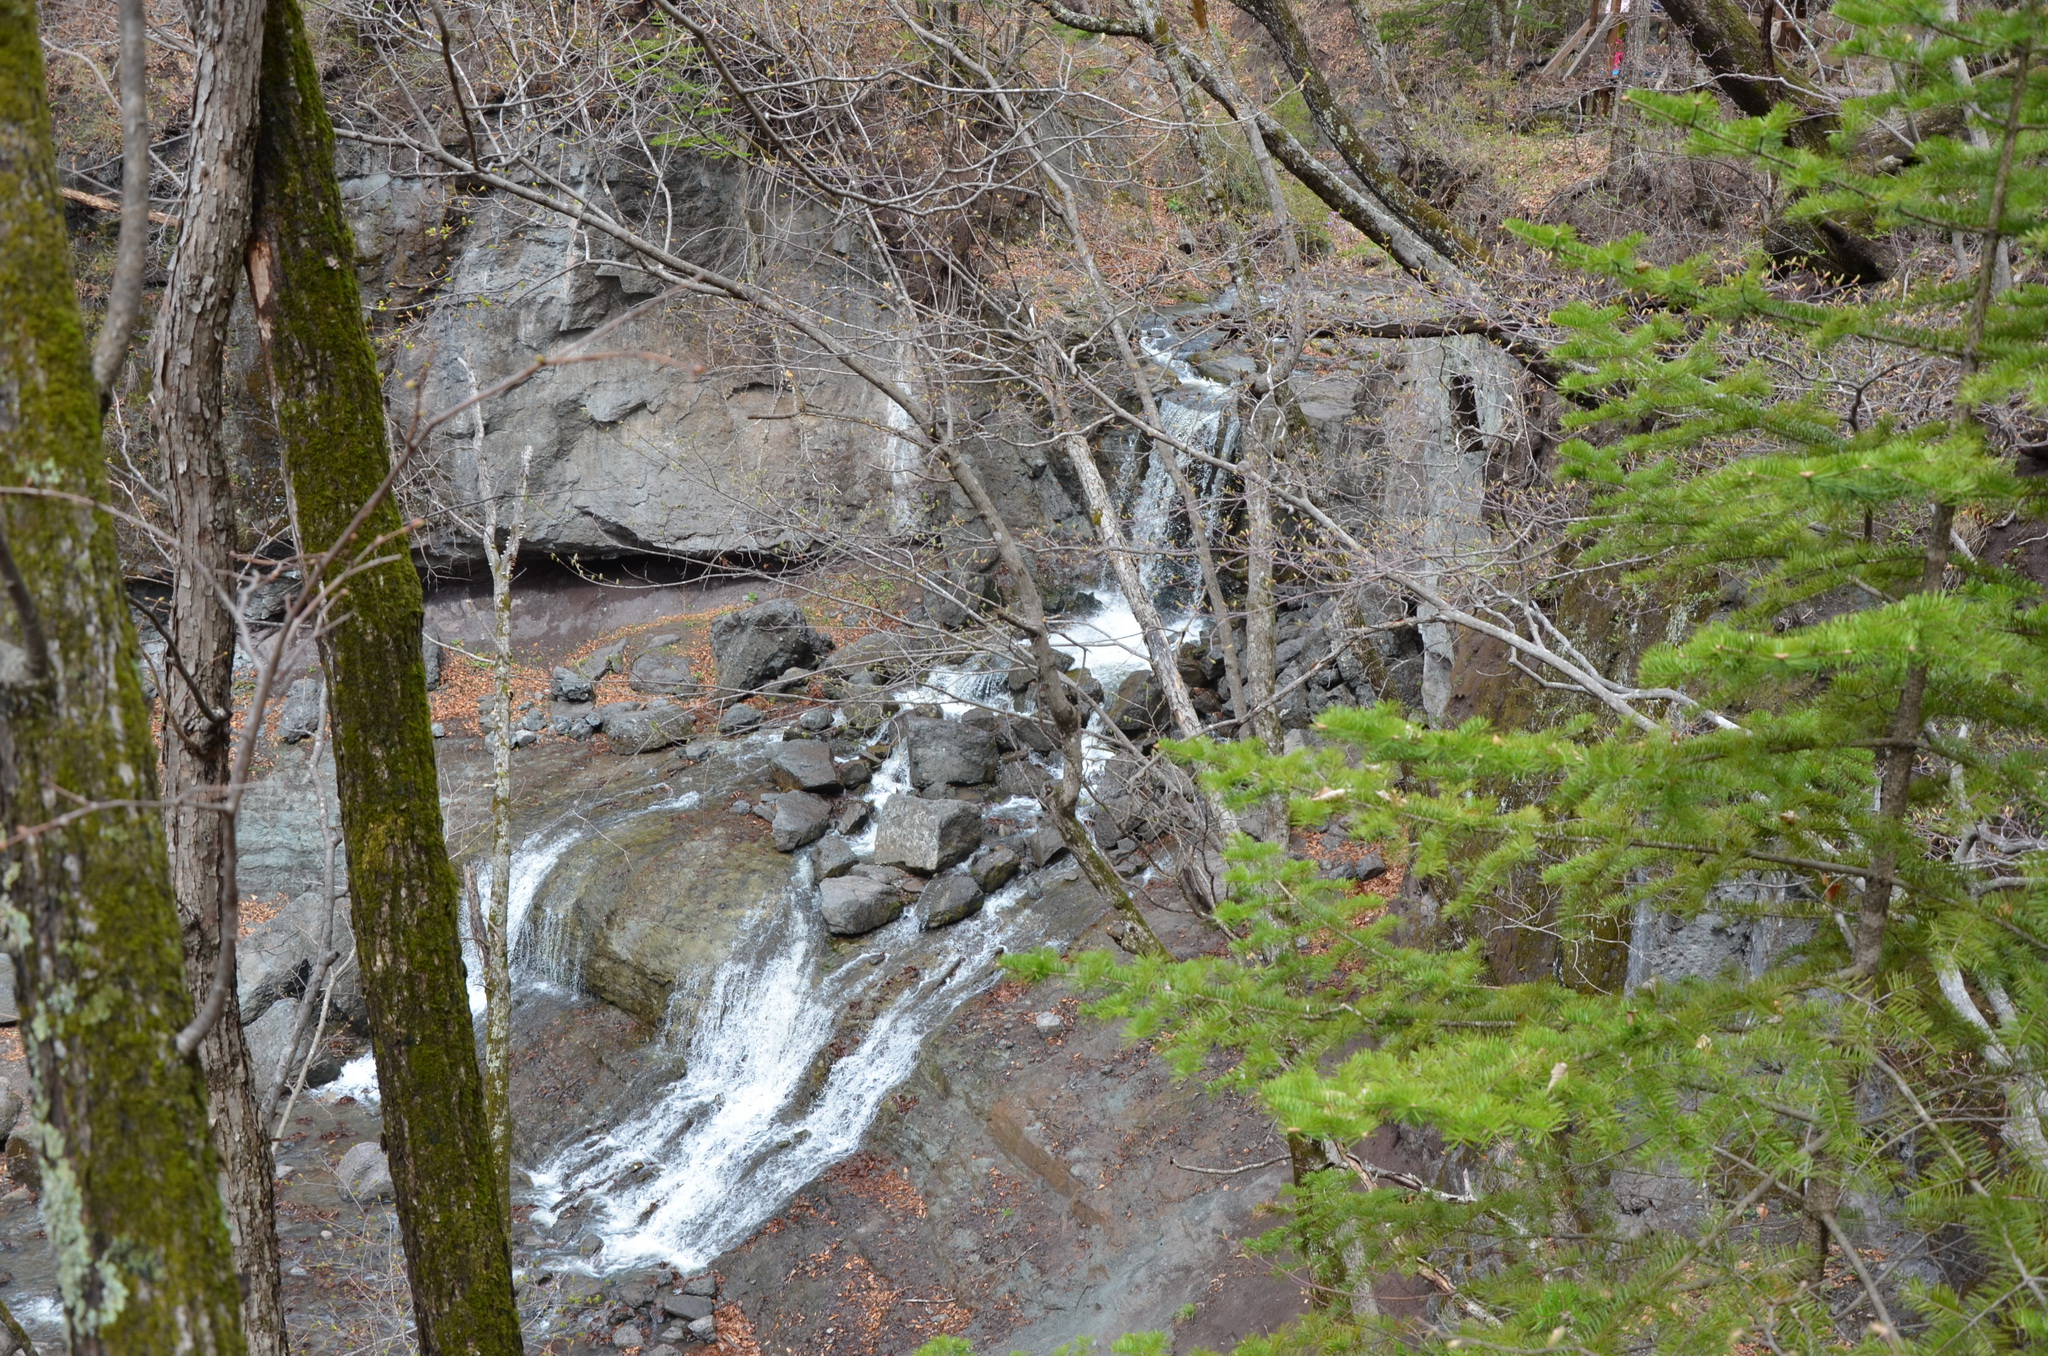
(1835,1141)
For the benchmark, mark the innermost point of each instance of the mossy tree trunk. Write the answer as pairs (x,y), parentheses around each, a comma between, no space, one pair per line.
(186,355)
(129,1194)
(404,893)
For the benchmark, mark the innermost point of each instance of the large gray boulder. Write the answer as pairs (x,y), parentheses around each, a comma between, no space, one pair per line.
(948,753)
(853,905)
(661,669)
(646,727)
(754,647)
(926,836)
(948,900)
(804,765)
(800,819)
(275,958)
(365,1174)
(299,717)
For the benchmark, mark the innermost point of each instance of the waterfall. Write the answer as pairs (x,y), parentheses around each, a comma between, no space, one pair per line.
(761,1107)
(722,1148)
(1195,414)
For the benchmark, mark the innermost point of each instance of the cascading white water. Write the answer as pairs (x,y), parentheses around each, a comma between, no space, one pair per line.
(723,1147)
(719,1150)
(1193,415)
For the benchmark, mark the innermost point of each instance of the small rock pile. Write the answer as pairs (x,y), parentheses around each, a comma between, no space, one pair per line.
(660,1311)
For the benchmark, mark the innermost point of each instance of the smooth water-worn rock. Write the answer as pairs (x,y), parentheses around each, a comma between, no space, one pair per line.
(800,819)
(947,900)
(662,897)
(950,753)
(853,905)
(651,726)
(804,765)
(757,645)
(926,835)
(365,1174)
(275,958)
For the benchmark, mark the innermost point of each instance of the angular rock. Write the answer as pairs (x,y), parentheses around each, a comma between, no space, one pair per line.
(576,720)
(653,725)
(299,717)
(364,1173)
(1139,707)
(430,659)
(926,836)
(627,1337)
(948,900)
(855,772)
(663,669)
(687,1307)
(817,720)
(1027,732)
(664,1349)
(605,659)
(740,720)
(702,1284)
(834,857)
(853,817)
(891,656)
(949,753)
(705,1329)
(994,867)
(804,765)
(567,685)
(895,877)
(754,647)
(1044,845)
(853,905)
(800,819)
(1022,778)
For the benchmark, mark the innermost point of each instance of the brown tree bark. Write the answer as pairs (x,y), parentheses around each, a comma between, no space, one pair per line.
(186,362)
(403,889)
(119,1116)
(1747,71)
(1281,23)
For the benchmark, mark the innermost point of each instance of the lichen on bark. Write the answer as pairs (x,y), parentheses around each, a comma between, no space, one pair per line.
(403,890)
(130,1196)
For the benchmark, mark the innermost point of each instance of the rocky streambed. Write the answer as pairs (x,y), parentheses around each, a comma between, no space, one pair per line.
(772,1089)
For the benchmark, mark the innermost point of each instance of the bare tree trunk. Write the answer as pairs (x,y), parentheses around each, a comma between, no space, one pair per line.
(1281,23)
(494,941)
(403,890)
(124,297)
(186,362)
(118,1116)
(1260,611)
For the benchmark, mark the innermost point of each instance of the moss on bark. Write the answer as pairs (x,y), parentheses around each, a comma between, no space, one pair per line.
(404,894)
(130,1198)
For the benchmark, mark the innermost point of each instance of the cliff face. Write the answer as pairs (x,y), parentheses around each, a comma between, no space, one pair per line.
(703,431)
